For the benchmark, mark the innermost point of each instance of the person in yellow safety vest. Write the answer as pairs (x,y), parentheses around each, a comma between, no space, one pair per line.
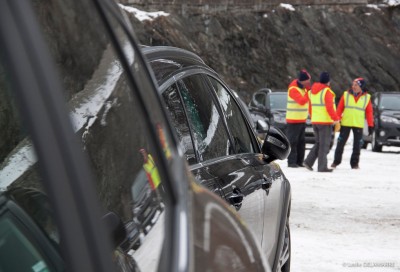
(354,107)
(151,169)
(296,116)
(323,116)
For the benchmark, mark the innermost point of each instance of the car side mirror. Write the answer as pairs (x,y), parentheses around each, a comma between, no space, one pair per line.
(254,104)
(268,112)
(257,106)
(262,126)
(115,228)
(276,145)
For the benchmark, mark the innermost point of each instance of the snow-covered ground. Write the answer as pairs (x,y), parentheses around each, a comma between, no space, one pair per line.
(347,220)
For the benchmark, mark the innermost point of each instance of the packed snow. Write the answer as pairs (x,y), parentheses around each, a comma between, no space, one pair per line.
(392,2)
(347,220)
(17,164)
(143,15)
(287,6)
(373,6)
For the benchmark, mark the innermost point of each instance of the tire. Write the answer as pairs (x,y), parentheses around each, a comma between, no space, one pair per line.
(375,146)
(284,259)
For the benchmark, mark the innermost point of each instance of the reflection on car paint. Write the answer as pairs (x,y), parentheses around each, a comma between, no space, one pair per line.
(17,163)
(213,208)
(164,143)
(150,168)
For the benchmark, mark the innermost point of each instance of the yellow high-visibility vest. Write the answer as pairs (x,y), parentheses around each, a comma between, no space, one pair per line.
(319,112)
(152,172)
(294,110)
(354,111)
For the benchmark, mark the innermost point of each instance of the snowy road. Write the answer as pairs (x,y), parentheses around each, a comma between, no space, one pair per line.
(348,220)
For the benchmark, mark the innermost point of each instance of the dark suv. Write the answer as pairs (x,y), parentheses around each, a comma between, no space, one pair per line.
(273,106)
(387,121)
(219,143)
(92,177)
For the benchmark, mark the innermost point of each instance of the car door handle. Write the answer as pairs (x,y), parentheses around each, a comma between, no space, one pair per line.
(236,198)
(266,183)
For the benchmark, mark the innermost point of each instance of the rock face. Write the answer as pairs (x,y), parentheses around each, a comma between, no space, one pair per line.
(254,50)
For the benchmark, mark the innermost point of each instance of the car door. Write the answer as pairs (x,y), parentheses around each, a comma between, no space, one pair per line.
(73,150)
(217,166)
(31,95)
(89,162)
(261,180)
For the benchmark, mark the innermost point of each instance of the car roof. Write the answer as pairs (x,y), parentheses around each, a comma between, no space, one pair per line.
(170,52)
(278,93)
(168,60)
(388,93)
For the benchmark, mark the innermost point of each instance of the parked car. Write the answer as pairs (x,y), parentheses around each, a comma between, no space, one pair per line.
(272,104)
(78,106)
(216,136)
(146,204)
(386,107)
(257,120)
(133,237)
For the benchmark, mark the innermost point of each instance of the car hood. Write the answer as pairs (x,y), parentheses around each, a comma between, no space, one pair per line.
(280,111)
(392,113)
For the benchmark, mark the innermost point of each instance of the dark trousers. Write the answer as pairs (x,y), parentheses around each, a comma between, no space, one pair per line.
(297,139)
(341,141)
(321,148)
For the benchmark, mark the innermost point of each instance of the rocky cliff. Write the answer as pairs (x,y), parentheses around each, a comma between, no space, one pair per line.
(266,49)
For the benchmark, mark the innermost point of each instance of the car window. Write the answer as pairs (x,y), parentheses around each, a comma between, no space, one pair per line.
(163,68)
(278,101)
(234,118)
(107,114)
(175,108)
(209,134)
(390,102)
(13,240)
(22,199)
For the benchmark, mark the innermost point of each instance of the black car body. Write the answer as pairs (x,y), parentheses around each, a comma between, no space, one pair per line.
(258,120)
(133,237)
(386,106)
(273,105)
(17,226)
(220,145)
(78,103)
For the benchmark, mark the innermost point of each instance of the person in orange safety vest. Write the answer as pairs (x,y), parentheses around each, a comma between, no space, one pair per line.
(323,116)
(354,107)
(296,116)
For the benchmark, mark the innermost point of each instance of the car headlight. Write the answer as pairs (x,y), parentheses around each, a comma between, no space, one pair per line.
(389,119)
(280,119)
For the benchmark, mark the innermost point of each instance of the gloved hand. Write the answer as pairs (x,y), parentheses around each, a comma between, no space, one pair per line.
(370,130)
(336,127)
